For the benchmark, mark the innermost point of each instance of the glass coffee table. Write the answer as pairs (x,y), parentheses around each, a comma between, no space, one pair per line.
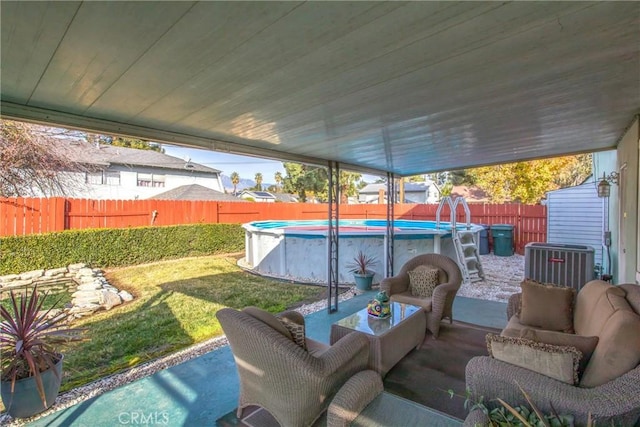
(390,339)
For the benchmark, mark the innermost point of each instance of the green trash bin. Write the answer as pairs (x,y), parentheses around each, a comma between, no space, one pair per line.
(502,239)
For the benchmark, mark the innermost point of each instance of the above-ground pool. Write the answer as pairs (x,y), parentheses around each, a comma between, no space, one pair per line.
(298,250)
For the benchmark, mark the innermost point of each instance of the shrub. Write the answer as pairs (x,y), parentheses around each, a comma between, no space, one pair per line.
(103,248)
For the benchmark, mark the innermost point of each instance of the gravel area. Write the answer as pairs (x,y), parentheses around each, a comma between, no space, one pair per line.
(502,278)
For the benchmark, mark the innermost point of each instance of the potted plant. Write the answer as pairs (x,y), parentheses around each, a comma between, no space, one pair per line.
(30,358)
(360,266)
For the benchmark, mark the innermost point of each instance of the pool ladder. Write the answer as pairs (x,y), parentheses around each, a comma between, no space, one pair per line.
(464,241)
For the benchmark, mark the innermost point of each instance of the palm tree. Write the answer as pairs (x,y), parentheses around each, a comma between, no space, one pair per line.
(278,178)
(258,179)
(235,180)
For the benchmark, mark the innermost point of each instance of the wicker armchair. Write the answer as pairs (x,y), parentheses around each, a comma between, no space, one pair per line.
(295,385)
(440,305)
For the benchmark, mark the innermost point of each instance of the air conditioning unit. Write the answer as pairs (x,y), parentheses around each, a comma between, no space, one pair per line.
(562,265)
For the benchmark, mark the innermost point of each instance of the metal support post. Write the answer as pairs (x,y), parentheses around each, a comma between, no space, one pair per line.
(391,201)
(333,232)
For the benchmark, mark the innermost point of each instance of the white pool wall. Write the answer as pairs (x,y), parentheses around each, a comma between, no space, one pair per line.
(304,258)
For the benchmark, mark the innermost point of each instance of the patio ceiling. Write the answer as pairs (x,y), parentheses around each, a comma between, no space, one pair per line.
(401,87)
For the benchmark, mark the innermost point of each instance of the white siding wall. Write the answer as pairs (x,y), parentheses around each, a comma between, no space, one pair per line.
(575,216)
(128,188)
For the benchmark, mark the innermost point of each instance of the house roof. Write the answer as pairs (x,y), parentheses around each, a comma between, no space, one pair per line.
(103,155)
(403,87)
(285,197)
(258,194)
(195,192)
(471,194)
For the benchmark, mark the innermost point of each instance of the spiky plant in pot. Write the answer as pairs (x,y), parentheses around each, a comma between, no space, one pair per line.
(30,342)
(360,266)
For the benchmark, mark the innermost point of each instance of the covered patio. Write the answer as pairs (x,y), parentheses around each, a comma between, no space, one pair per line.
(386,88)
(205,389)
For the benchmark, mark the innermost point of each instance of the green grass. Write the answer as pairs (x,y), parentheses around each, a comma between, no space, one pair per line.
(174,307)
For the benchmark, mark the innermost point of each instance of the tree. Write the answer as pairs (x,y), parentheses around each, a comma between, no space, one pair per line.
(528,182)
(278,178)
(304,180)
(235,180)
(138,144)
(32,163)
(258,179)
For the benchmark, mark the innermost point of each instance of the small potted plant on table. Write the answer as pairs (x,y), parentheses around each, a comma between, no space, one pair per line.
(360,266)
(30,358)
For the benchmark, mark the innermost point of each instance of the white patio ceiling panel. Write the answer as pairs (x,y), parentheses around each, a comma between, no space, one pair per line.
(401,87)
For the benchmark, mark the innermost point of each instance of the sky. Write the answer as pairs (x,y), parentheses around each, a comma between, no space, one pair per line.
(247,167)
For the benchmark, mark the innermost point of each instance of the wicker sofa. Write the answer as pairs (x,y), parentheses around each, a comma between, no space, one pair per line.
(293,383)
(436,307)
(609,386)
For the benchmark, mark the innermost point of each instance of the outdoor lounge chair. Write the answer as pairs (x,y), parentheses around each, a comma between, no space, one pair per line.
(294,384)
(440,304)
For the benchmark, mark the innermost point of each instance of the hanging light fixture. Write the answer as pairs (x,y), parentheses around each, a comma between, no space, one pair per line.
(604,187)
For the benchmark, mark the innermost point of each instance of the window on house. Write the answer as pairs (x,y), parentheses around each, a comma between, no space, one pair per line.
(112,177)
(150,180)
(93,178)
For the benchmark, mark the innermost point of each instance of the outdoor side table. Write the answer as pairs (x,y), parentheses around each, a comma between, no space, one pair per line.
(389,339)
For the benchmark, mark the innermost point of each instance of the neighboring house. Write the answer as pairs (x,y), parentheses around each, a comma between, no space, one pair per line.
(196,192)
(258,196)
(414,192)
(126,173)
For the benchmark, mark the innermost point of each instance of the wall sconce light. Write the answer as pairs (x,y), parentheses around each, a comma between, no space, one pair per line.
(604,187)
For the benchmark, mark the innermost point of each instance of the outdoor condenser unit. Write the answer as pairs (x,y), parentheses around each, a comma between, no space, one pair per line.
(563,265)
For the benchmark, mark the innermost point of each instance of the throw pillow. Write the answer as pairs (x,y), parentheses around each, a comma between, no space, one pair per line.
(423,280)
(585,345)
(547,307)
(558,362)
(296,330)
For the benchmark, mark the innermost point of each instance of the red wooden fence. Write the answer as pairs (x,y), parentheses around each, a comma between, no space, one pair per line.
(22,216)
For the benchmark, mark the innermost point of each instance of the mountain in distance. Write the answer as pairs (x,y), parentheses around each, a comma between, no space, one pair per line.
(244,183)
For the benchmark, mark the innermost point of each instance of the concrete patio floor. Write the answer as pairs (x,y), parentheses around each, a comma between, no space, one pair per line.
(201,390)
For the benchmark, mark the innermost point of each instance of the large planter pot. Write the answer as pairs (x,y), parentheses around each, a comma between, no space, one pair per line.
(363,281)
(25,401)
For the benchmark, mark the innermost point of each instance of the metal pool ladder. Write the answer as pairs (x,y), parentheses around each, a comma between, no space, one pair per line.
(464,241)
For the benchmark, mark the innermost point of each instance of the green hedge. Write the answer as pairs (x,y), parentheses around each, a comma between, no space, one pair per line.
(117,247)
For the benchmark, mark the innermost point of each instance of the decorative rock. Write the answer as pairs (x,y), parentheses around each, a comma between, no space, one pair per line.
(89,286)
(110,299)
(31,274)
(76,267)
(55,272)
(8,278)
(88,279)
(126,296)
(85,271)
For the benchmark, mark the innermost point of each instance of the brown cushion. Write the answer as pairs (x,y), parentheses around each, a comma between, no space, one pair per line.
(618,350)
(423,280)
(590,311)
(296,330)
(546,306)
(585,345)
(269,319)
(558,362)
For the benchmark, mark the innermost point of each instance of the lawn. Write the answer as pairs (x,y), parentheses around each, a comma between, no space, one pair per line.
(174,307)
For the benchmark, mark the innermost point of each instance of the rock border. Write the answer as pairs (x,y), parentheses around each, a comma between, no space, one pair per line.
(90,290)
